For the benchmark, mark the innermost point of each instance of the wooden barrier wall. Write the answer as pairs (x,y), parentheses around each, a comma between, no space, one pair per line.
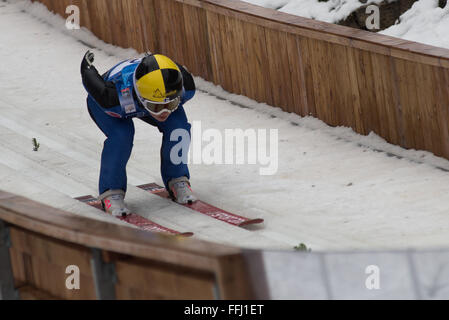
(38,243)
(343,76)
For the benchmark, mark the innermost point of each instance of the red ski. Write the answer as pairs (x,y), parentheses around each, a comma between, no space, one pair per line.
(204,208)
(135,219)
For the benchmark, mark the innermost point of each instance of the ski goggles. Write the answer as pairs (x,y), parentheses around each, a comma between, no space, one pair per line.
(157,108)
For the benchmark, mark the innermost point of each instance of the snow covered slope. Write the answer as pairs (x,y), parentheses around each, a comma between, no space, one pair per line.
(334,189)
(425,22)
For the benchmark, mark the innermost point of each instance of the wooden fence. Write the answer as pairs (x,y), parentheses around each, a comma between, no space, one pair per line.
(343,76)
(38,243)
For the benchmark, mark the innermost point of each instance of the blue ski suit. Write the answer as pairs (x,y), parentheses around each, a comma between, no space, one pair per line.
(112,103)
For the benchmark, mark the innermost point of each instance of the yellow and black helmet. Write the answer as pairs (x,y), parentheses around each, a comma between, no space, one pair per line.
(158,83)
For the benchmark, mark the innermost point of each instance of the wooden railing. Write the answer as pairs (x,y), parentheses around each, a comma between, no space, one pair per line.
(38,243)
(343,76)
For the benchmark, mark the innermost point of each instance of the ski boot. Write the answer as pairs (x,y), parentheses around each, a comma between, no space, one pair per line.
(181,192)
(113,202)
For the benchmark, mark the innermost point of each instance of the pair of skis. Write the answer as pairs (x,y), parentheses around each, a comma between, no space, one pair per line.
(198,206)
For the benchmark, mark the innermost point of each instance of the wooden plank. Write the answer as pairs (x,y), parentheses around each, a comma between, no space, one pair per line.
(131,293)
(394,80)
(366,76)
(54,251)
(241,65)
(425,104)
(216,51)
(343,81)
(438,128)
(41,262)
(415,112)
(197,41)
(100,20)
(320,69)
(119,35)
(444,62)
(336,86)
(38,270)
(135,28)
(30,293)
(52,279)
(387,95)
(258,67)
(230,80)
(417,52)
(401,77)
(306,59)
(382,88)
(279,69)
(196,24)
(193,39)
(408,102)
(107,21)
(441,81)
(84,14)
(59,7)
(18,267)
(238,56)
(234,280)
(160,281)
(149,21)
(183,55)
(171,29)
(367,46)
(129,25)
(95,20)
(299,90)
(166,40)
(369,84)
(356,116)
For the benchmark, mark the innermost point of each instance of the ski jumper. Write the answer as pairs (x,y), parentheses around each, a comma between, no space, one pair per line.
(113,104)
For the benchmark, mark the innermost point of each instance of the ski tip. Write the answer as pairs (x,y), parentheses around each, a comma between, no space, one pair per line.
(251,222)
(186,234)
(88,198)
(124,215)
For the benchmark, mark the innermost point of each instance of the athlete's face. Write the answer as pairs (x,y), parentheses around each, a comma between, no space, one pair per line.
(162,117)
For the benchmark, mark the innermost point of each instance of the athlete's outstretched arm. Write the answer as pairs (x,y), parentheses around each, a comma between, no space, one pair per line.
(104,92)
(189,83)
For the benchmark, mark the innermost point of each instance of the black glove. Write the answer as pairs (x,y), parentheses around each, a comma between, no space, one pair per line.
(88,60)
(189,83)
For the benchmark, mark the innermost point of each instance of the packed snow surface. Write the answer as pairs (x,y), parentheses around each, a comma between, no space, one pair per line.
(425,22)
(333,190)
